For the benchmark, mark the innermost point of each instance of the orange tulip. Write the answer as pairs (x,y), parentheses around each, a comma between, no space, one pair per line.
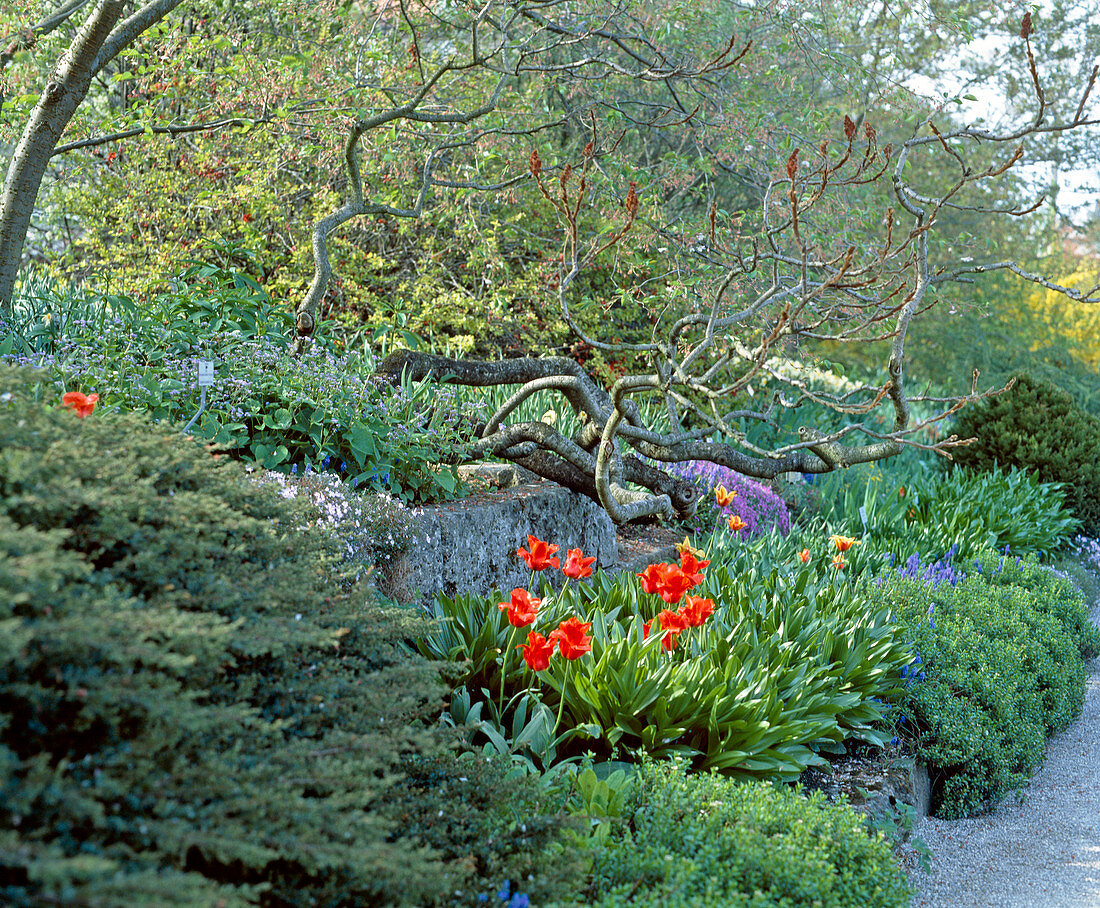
(804,555)
(843,543)
(736,523)
(838,562)
(723,496)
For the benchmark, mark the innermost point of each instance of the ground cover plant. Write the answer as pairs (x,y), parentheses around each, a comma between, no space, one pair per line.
(266,406)
(199,706)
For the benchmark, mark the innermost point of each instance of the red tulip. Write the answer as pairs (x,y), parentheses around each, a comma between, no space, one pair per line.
(521,609)
(537,651)
(538,559)
(692,567)
(696,611)
(577,566)
(81,404)
(572,638)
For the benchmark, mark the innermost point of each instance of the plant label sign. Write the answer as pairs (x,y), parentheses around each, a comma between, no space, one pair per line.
(206,372)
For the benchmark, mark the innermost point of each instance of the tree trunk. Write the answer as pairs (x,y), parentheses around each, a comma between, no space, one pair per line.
(60,98)
(97,42)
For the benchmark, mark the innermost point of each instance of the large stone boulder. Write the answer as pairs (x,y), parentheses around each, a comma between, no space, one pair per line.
(470,545)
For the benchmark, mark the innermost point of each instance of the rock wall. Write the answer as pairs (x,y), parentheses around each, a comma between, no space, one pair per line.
(470,545)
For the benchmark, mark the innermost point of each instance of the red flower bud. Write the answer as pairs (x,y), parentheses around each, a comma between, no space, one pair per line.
(849,128)
(535,163)
(632,200)
(792,164)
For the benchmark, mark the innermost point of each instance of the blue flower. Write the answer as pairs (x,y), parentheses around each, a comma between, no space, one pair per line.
(293,469)
(905,671)
(920,677)
(505,891)
(520,900)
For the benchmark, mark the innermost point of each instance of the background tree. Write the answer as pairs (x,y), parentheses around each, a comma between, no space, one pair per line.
(766,289)
(444,233)
(98,39)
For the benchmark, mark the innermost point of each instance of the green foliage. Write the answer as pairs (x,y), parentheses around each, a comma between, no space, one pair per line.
(702,840)
(793,661)
(266,405)
(476,280)
(196,707)
(1037,427)
(1003,669)
(967,509)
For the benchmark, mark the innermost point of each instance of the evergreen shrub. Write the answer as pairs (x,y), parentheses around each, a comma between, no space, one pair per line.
(1037,427)
(998,667)
(197,706)
(695,841)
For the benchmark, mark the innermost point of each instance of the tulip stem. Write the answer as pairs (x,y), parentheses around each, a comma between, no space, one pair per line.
(504,668)
(561,702)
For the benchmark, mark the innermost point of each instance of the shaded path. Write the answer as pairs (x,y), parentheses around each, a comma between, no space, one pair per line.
(1043,852)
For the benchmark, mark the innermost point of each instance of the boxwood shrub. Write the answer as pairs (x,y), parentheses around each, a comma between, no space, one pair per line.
(998,667)
(197,707)
(695,841)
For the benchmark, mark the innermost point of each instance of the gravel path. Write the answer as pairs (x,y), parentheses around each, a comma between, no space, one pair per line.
(1043,852)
